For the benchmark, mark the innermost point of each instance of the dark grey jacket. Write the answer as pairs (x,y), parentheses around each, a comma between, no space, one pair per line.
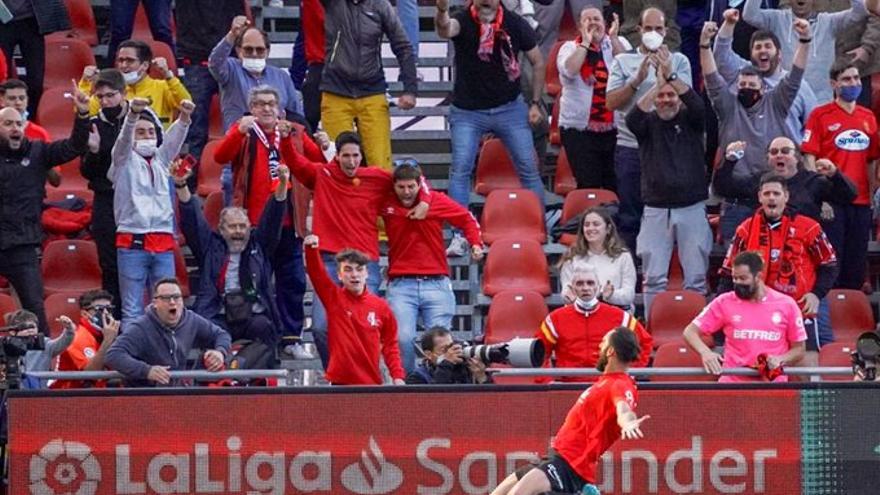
(51,15)
(353,42)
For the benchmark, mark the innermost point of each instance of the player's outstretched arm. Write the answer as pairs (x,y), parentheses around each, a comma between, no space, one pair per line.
(629,423)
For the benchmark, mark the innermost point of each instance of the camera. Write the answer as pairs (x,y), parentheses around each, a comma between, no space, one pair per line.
(866,356)
(97,319)
(519,353)
(12,351)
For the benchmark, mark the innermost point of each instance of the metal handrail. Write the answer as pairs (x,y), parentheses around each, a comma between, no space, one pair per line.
(281,374)
(800,371)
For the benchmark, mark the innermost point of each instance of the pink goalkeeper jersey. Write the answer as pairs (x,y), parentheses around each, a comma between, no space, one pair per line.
(751,328)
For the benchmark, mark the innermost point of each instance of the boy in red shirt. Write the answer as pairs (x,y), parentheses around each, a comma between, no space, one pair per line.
(361,324)
(601,415)
(95,334)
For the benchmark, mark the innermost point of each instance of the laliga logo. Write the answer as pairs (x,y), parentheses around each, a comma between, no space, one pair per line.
(852,140)
(381,476)
(64,467)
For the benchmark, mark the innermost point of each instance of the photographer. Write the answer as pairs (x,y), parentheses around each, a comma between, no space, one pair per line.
(444,362)
(866,357)
(38,350)
(96,332)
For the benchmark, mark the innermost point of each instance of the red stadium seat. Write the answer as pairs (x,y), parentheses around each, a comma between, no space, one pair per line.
(551,74)
(851,314)
(215,119)
(55,112)
(555,137)
(61,305)
(671,312)
(514,314)
(513,213)
(564,181)
(4,286)
(495,169)
(209,171)
(54,195)
(71,180)
(837,354)
(66,59)
(679,355)
(212,208)
(180,271)
(71,267)
(82,19)
(514,264)
(7,305)
(577,201)
(161,49)
(675,275)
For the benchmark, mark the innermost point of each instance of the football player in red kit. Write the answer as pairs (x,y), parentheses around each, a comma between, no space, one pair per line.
(601,415)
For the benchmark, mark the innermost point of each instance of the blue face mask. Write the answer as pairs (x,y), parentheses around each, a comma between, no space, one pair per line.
(849,94)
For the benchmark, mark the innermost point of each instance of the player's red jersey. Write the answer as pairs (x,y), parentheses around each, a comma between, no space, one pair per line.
(848,140)
(591,425)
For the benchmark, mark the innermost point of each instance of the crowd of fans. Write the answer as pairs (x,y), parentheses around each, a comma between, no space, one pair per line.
(668,104)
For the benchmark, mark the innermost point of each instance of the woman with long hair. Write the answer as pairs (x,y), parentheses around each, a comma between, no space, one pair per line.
(598,244)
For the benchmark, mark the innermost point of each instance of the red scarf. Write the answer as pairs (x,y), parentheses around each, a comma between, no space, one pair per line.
(488,33)
(586,69)
(782,271)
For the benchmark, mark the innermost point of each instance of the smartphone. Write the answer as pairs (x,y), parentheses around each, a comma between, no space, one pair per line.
(187,162)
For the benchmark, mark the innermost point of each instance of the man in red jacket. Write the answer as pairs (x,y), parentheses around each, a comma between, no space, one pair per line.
(361,325)
(574,332)
(418,273)
(347,202)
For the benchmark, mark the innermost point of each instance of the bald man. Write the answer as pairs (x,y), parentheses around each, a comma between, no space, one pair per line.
(24,165)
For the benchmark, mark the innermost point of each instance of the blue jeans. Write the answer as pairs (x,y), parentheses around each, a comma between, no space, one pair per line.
(298,65)
(408,11)
(319,314)
(290,283)
(122,13)
(627,169)
(226,184)
(413,297)
(849,233)
(138,271)
(510,123)
(202,86)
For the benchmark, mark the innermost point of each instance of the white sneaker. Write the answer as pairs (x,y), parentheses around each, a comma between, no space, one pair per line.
(458,247)
(276,3)
(298,351)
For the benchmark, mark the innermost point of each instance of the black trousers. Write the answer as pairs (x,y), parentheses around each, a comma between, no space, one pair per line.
(103,228)
(311,92)
(21,267)
(25,34)
(591,155)
(258,327)
(849,233)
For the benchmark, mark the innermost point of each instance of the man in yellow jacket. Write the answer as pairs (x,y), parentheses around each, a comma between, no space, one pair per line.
(133,59)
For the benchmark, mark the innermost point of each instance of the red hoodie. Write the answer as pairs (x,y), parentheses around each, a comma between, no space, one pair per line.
(416,246)
(313,28)
(358,328)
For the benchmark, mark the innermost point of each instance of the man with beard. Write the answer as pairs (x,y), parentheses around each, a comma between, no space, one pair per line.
(766,57)
(755,114)
(573,332)
(756,321)
(668,123)
(235,287)
(23,168)
(602,414)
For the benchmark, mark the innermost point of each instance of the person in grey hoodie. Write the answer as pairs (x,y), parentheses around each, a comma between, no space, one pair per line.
(825,27)
(160,340)
(755,114)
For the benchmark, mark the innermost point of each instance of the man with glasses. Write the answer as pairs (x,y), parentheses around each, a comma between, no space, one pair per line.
(96,332)
(160,340)
(846,134)
(134,60)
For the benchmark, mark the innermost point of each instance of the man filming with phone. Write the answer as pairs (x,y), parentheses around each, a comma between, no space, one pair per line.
(96,332)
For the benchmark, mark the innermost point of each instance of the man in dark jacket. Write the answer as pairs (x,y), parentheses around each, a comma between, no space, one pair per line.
(110,92)
(674,187)
(444,362)
(23,168)
(223,291)
(160,340)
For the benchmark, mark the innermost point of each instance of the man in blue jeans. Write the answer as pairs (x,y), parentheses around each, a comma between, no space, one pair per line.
(122,14)
(418,273)
(486,96)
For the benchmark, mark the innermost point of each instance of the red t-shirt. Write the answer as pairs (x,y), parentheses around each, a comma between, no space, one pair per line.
(35,132)
(591,427)
(848,140)
(77,356)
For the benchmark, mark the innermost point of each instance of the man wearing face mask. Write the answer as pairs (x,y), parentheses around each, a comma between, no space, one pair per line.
(755,114)
(109,89)
(756,320)
(632,75)
(134,59)
(142,203)
(235,263)
(800,260)
(846,134)
(573,332)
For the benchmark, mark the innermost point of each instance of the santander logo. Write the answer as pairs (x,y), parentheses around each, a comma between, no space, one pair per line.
(373,475)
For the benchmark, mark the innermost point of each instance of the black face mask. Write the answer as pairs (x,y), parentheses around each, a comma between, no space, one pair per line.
(112,113)
(748,96)
(744,291)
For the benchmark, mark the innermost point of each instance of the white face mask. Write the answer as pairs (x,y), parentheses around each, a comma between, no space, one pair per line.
(131,77)
(145,147)
(587,305)
(253,64)
(652,40)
